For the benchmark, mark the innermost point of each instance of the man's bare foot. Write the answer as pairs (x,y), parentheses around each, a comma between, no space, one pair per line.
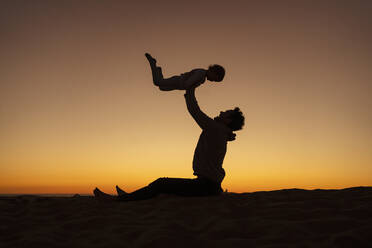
(150,59)
(102,196)
(120,191)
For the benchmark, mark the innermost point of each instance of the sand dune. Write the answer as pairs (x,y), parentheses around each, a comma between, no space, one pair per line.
(284,218)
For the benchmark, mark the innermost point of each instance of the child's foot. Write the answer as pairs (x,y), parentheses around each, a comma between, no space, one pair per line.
(150,58)
(120,191)
(102,196)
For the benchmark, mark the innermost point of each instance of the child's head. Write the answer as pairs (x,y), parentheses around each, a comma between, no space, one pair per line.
(232,118)
(215,73)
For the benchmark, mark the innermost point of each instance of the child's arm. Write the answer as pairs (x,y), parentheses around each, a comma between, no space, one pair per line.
(202,119)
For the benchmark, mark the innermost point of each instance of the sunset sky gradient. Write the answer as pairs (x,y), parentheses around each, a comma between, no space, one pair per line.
(78,108)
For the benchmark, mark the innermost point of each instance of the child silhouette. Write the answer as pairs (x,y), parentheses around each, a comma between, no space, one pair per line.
(194,78)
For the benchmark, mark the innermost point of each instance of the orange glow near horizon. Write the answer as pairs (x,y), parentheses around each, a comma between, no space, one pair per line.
(78,108)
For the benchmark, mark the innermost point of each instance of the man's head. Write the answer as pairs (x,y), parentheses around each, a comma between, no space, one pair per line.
(215,73)
(232,118)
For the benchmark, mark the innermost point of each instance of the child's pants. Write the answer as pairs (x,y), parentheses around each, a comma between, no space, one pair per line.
(166,84)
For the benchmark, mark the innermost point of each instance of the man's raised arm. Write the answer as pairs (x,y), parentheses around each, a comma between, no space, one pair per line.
(192,106)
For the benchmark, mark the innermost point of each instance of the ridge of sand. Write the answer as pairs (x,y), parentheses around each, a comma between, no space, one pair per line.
(282,218)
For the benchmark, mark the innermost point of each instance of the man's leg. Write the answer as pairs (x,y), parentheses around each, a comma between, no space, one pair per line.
(175,186)
(186,187)
(98,194)
(140,194)
(120,191)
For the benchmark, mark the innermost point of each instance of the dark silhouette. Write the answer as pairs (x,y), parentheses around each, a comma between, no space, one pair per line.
(208,157)
(196,77)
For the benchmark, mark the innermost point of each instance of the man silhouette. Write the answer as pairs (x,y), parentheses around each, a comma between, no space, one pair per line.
(208,158)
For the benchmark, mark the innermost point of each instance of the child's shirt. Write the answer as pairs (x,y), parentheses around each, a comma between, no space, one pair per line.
(195,77)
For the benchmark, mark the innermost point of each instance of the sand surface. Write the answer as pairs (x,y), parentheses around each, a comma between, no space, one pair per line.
(284,218)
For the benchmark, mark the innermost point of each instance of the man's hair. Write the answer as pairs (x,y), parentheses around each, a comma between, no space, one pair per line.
(237,118)
(218,70)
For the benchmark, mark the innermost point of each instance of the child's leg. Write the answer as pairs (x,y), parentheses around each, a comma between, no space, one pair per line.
(165,84)
(158,78)
(157,74)
(172,83)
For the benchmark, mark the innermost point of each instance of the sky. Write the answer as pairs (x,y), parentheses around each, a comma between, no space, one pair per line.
(78,108)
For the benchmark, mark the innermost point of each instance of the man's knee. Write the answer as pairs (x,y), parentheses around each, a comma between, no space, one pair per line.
(158,183)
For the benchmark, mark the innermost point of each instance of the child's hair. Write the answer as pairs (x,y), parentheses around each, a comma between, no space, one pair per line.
(237,118)
(218,70)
